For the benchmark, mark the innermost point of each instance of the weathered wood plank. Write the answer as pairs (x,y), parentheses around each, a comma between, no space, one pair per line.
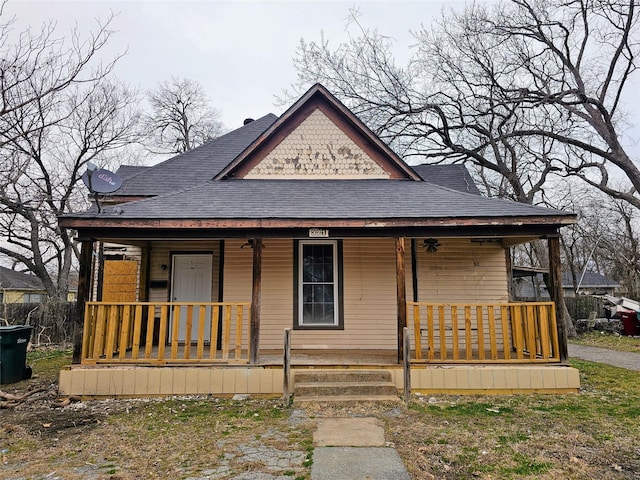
(175,330)
(124,333)
(215,320)
(162,333)
(443,337)
(467,333)
(256,300)
(187,332)
(507,343)
(491,317)
(401,294)
(137,331)
(480,331)
(149,340)
(455,337)
(417,332)
(202,313)
(111,331)
(226,332)
(238,345)
(431,339)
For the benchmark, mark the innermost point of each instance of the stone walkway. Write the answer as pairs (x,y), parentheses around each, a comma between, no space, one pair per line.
(628,360)
(354,449)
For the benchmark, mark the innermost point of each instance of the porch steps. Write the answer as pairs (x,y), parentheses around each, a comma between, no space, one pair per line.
(344,385)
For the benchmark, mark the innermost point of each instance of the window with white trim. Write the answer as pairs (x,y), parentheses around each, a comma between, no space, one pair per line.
(318,284)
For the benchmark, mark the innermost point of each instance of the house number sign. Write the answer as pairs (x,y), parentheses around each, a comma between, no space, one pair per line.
(318,232)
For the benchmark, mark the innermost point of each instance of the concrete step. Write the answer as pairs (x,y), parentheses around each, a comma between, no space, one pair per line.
(344,385)
(349,398)
(344,388)
(347,376)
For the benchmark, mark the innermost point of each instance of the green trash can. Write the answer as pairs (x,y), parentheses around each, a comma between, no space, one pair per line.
(13,353)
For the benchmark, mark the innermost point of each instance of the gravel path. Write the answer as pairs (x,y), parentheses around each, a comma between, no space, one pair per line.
(628,360)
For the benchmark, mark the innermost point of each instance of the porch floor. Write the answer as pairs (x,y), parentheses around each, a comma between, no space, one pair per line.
(334,358)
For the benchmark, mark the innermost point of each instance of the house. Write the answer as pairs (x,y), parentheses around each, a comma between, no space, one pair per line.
(529,284)
(308,227)
(19,287)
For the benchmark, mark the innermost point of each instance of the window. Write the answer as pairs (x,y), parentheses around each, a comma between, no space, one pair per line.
(318,284)
(32,298)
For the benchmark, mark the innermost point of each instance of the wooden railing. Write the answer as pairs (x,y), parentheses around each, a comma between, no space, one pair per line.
(165,332)
(484,333)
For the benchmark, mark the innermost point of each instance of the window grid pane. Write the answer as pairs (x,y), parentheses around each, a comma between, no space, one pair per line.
(318,284)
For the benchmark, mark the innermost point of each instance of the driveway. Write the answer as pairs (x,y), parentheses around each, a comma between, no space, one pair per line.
(628,360)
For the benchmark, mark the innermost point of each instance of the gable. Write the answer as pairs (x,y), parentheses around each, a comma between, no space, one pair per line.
(317,148)
(318,138)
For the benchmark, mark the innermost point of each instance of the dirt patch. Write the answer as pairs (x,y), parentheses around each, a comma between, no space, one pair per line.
(593,434)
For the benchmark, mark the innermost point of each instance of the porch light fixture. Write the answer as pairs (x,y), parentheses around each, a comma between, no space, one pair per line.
(431,245)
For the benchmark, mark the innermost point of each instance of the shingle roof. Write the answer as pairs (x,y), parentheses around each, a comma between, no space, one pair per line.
(590,279)
(184,187)
(330,199)
(128,171)
(12,280)
(197,165)
(455,177)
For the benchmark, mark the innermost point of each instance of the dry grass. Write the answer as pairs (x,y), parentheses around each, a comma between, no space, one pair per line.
(591,435)
(608,340)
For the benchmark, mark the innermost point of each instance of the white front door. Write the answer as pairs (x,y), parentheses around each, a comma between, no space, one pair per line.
(191,282)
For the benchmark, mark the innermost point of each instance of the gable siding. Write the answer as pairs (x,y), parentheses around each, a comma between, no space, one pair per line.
(317,148)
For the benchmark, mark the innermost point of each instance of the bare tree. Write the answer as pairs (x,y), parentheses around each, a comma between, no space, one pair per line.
(181,117)
(59,112)
(520,88)
(607,240)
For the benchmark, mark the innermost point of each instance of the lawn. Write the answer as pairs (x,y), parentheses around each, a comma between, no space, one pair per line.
(590,435)
(607,340)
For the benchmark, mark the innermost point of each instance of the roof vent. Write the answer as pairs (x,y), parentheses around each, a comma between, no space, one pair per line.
(247,121)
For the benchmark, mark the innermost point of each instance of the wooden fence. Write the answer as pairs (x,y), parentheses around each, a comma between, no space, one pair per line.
(52,322)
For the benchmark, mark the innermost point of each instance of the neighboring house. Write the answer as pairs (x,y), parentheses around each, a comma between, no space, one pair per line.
(532,286)
(19,287)
(308,223)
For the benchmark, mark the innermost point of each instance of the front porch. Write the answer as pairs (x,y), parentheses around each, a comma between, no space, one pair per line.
(137,349)
(183,333)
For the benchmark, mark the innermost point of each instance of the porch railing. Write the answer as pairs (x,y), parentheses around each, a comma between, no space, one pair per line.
(484,332)
(166,332)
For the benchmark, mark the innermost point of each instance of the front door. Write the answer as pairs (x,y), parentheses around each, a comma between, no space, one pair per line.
(191,282)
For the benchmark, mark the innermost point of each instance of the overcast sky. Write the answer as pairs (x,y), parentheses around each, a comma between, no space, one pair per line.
(240,51)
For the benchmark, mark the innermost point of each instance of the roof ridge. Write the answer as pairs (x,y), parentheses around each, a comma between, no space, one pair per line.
(179,156)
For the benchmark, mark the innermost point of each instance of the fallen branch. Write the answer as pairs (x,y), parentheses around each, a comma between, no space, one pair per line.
(64,402)
(13,401)
(19,398)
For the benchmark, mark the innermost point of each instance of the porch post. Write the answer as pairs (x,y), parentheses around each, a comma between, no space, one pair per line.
(83,296)
(254,342)
(555,283)
(144,273)
(401,295)
(507,258)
